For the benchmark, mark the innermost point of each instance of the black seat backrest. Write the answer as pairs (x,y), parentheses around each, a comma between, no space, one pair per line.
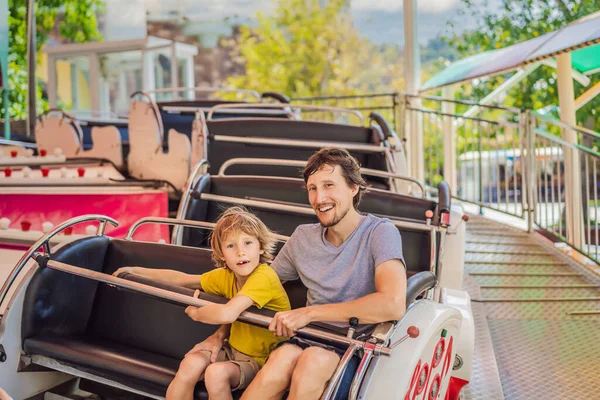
(219,151)
(182,120)
(87,125)
(416,244)
(62,304)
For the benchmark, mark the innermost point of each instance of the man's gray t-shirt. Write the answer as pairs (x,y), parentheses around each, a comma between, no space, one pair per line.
(338,274)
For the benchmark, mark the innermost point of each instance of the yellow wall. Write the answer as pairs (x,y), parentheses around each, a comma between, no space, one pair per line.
(64,82)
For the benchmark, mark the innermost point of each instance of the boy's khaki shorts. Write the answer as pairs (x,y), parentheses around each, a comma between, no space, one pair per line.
(248,365)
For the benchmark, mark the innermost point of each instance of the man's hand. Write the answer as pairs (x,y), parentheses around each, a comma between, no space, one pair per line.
(287,322)
(213,344)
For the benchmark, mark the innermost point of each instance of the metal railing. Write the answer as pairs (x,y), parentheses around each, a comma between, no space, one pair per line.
(387,104)
(513,161)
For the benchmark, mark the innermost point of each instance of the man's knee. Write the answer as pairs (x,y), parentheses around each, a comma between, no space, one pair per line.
(316,362)
(281,363)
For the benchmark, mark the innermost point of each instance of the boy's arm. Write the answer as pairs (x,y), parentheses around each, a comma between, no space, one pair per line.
(164,275)
(220,313)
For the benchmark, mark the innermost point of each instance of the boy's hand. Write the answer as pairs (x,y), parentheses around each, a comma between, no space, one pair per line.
(213,344)
(129,270)
(191,310)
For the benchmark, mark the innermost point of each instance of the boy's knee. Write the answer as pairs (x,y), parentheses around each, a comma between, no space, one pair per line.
(215,373)
(192,366)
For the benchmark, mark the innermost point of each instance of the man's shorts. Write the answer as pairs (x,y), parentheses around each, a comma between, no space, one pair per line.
(248,365)
(346,382)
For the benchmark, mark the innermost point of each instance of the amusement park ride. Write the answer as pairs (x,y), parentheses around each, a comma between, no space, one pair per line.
(145,188)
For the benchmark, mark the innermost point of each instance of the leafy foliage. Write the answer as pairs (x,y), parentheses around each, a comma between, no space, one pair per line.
(75,21)
(311,48)
(517,21)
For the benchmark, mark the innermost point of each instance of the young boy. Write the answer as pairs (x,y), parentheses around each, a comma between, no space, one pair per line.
(242,245)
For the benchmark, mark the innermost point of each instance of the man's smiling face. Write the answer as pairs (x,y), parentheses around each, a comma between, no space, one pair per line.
(329,195)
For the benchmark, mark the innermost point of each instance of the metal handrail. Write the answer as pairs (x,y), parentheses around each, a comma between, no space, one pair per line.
(288,106)
(463,102)
(256,110)
(183,223)
(575,146)
(252,93)
(200,169)
(334,383)
(303,210)
(45,242)
(298,163)
(156,112)
(579,129)
(246,316)
(368,148)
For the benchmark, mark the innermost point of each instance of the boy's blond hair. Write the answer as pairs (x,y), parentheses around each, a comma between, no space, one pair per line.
(237,220)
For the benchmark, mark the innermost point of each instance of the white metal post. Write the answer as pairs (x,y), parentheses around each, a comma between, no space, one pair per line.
(94,62)
(174,71)
(148,77)
(566,99)
(52,77)
(412,70)
(450,175)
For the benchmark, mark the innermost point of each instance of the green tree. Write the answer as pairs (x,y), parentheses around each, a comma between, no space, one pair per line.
(74,20)
(311,48)
(517,21)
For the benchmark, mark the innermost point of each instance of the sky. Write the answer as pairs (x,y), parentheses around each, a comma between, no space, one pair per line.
(379,20)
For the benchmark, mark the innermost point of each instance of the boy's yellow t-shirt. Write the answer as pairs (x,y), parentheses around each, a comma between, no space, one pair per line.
(265,289)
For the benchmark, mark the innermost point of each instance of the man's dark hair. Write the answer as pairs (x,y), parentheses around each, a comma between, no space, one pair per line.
(349,166)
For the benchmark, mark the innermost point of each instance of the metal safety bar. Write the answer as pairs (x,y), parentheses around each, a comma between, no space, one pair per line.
(246,316)
(298,163)
(334,383)
(307,144)
(284,106)
(44,242)
(256,110)
(183,223)
(251,93)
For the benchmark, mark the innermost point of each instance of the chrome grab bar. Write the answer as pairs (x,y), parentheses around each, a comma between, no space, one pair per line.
(334,383)
(246,316)
(182,223)
(284,106)
(307,144)
(297,163)
(252,93)
(45,242)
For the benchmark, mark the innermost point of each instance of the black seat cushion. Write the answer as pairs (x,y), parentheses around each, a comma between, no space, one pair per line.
(138,369)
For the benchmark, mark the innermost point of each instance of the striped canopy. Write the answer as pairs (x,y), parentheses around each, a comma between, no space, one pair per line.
(581,38)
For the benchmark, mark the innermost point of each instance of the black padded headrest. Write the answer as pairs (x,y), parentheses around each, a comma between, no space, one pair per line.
(418,283)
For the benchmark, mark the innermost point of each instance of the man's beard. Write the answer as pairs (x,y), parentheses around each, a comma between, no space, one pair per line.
(335,220)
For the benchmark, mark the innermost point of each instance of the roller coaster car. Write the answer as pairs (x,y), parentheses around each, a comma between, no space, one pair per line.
(68,317)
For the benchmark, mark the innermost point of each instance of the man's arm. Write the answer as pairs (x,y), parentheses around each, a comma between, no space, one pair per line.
(164,275)
(386,304)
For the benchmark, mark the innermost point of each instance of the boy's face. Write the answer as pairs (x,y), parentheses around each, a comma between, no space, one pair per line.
(241,253)
(329,195)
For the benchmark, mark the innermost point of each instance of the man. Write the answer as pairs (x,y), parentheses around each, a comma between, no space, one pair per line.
(352,266)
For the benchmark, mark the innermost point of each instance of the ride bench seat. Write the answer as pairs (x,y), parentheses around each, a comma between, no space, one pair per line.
(276,191)
(128,338)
